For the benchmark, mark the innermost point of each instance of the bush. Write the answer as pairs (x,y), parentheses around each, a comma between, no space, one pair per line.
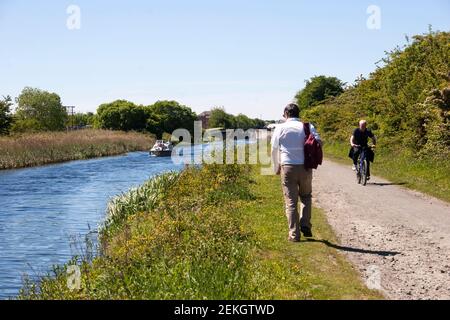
(405,100)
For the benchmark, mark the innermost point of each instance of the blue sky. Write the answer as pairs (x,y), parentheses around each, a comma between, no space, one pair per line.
(248,56)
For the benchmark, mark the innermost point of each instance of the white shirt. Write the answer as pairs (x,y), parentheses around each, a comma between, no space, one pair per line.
(288,141)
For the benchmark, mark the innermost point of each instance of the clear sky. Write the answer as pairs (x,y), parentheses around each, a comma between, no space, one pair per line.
(248,56)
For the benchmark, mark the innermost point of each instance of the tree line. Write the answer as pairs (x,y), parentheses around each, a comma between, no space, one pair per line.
(219,118)
(38,110)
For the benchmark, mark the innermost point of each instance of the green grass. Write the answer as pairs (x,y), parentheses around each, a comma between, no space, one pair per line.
(421,174)
(216,232)
(309,270)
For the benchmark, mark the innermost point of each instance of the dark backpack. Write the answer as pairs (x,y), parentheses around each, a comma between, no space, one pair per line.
(313,150)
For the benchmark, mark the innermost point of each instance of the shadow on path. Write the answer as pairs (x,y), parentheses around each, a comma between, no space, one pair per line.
(349,249)
(386,184)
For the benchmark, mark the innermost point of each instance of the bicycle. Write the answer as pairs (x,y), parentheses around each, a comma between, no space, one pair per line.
(362,165)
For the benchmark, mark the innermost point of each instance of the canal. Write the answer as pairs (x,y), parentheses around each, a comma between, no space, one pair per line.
(43,209)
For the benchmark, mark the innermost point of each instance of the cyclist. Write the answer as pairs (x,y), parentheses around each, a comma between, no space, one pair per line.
(358,141)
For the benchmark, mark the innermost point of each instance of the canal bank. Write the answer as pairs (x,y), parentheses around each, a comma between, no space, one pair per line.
(45,211)
(216,232)
(42,148)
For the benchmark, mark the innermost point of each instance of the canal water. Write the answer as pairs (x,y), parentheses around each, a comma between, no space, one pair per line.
(43,209)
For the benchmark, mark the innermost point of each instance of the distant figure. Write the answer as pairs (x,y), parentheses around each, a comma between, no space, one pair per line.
(288,158)
(359,140)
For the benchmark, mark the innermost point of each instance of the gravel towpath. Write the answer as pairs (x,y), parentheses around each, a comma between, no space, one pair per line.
(398,239)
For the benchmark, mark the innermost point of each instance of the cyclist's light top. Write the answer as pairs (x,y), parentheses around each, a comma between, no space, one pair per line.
(288,143)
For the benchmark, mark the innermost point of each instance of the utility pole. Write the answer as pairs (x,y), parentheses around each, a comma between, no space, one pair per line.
(71,112)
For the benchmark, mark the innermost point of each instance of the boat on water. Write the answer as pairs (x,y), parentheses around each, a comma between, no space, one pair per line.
(162,149)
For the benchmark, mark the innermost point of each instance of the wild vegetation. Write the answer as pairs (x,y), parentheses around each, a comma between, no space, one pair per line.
(39,110)
(317,90)
(35,133)
(406,101)
(28,139)
(33,149)
(221,119)
(5,115)
(159,118)
(215,232)
(218,232)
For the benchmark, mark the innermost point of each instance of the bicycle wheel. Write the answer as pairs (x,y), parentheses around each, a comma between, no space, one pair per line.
(358,173)
(364,173)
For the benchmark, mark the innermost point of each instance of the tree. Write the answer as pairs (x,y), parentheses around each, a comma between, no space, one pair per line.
(319,89)
(172,116)
(220,119)
(154,124)
(241,121)
(5,115)
(122,115)
(40,110)
(89,118)
(80,120)
(159,118)
(259,124)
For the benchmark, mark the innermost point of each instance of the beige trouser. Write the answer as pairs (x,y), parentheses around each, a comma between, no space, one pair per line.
(297,181)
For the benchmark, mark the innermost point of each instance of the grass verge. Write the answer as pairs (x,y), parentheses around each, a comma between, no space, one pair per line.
(52,147)
(216,232)
(425,175)
(309,270)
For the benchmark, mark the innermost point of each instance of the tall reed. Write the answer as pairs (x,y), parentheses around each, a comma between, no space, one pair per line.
(36,149)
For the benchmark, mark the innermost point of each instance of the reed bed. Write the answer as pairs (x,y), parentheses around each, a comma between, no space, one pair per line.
(52,147)
(144,198)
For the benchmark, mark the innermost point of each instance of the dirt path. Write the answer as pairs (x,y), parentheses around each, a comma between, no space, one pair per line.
(398,239)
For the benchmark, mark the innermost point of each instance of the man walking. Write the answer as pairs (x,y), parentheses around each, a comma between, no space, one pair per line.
(288,159)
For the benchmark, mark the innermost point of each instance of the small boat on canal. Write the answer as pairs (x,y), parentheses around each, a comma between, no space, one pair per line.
(162,149)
